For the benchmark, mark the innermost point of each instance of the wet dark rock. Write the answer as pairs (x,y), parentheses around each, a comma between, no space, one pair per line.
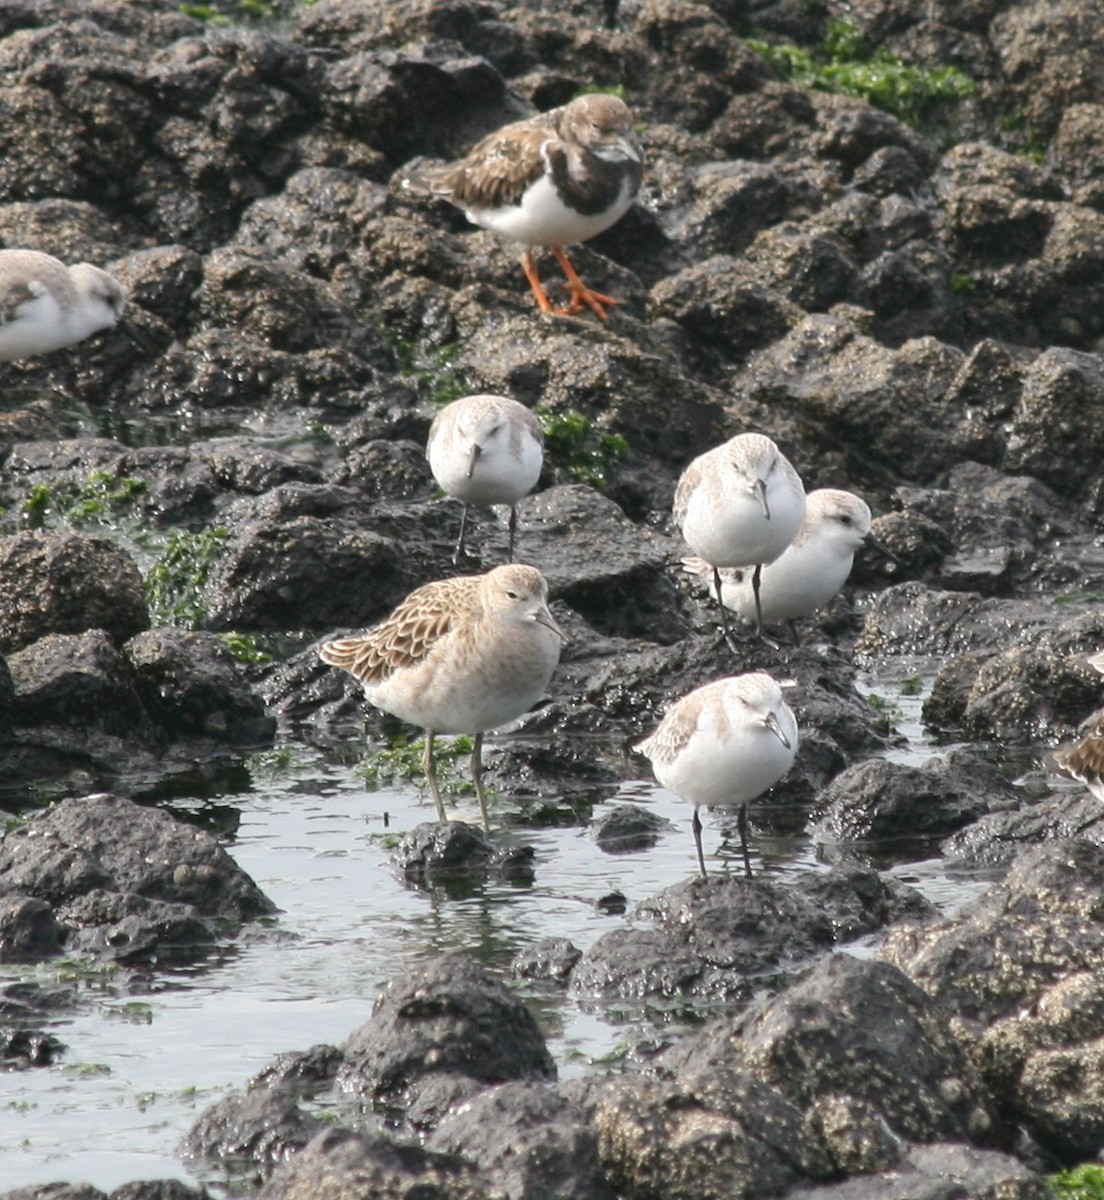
(189,684)
(1047,436)
(300,1072)
(716,938)
(883,802)
(846,388)
(858,1028)
(627,828)
(76,679)
(924,1171)
(447,1016)
(28,1048)
(1024,695)
(259,1128)
(551,959)
(67,583)
(724,313)
(28,928)
(129,928)
(440,852)
(126,881)
(529,1140)
(1046,1063)
(615,578)
(856,1138)
(711,1134)
(341,1163)
(999,954)
(996,839)
(320,556)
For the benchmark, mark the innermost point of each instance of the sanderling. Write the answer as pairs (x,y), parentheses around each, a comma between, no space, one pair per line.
(552,180)
(809,573)
(722,745)
(740,505)
(486,450)
(460,655)
(45,305)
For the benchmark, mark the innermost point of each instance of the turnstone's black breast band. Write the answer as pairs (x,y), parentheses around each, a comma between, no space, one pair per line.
(595,185)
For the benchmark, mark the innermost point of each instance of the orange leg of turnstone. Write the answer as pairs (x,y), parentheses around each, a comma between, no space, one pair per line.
(580,293)
(530,269)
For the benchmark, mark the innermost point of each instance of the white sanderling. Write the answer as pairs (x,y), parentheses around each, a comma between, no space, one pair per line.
(809,573)
(45,305)
(460,655)
(740,505)
(555,179)
(722,745)
(486,450)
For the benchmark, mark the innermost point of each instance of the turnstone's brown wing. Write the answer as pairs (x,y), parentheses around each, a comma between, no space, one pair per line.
(497,170)
(409,633)
(1085,761)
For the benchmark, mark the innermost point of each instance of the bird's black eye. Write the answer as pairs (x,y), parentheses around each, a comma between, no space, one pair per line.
(511,595)
(845,519)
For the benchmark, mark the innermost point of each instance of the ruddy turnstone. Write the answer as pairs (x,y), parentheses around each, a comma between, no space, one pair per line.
(45,305)
(722,745)
(486,450)
(460,655)
(552,180)
(808,573)
(1085,761)
(740,505)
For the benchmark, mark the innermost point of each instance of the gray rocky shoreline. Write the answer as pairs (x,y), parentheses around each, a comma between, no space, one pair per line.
(914,312)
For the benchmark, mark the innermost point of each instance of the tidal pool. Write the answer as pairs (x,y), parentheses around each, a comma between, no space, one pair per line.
(146,1053)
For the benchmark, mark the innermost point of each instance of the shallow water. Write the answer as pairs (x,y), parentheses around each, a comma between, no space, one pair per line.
(144,1057)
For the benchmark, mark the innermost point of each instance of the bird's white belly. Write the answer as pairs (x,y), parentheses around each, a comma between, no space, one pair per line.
(726,774)
(797,584)
(542,218)
(39,326)
(482,691)
(736,533)
(498,477)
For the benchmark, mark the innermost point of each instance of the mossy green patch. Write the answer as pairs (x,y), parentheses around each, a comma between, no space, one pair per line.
(844,63)
(575,444)
(1085,1182)
(175,582)
(402,761)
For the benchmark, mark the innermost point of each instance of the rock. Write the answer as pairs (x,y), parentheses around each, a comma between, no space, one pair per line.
(528,1140)
(998,955)
(627,828)
(340,1163)
(925,1170)
(551,959)
(882,802)
(28,928)
(79,680)
(454,853)
(998,838)
(447,1016)
(67,583)
(134,882)
(189,684)
(718,937)
(257,1129)
(857,1028)
(709,1136)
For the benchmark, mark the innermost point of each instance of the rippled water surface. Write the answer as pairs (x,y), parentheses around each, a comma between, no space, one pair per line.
(145,1056)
